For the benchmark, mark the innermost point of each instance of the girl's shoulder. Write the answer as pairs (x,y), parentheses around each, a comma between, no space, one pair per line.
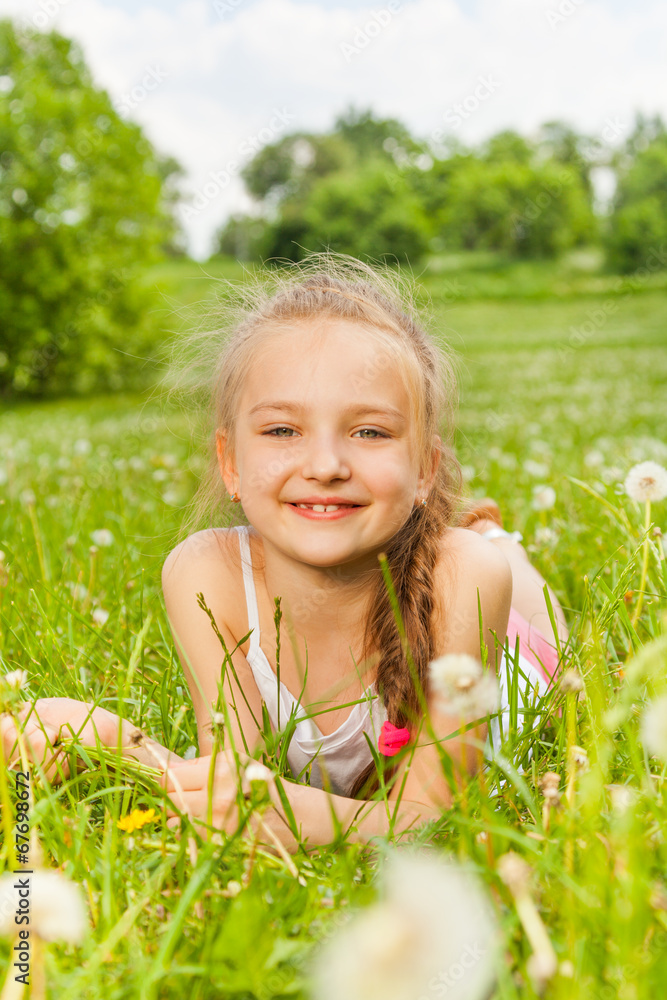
(206,555)
(466,552)
(468,569)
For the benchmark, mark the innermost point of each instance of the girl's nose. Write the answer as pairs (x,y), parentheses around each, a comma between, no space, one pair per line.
(325,459)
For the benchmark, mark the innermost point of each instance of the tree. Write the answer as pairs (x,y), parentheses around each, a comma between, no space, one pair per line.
(507,146)
(559,142)
(638,222)
(293,164)
(373,138)
(526,210)
(244,237)
(369,211)
(85,203)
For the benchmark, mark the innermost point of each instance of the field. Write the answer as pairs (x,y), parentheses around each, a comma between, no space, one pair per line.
(562,385)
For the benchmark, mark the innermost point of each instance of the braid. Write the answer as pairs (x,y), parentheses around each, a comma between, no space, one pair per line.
(411,558)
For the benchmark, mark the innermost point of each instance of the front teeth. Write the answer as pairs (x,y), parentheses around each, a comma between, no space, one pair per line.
(320,508)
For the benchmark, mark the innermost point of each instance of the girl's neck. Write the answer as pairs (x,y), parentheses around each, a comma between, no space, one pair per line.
(320,601)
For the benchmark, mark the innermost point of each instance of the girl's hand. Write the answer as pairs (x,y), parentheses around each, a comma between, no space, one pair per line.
(186,784)
(51,719)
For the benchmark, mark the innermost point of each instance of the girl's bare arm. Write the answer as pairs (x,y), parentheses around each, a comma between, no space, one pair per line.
(198,565)
(47,722)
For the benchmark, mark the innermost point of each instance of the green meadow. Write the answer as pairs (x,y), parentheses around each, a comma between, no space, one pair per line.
(562,372)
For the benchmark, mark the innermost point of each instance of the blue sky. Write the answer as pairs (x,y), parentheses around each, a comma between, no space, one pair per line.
(209,80)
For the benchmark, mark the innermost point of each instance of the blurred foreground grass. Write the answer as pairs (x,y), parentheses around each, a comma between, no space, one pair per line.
(554,386)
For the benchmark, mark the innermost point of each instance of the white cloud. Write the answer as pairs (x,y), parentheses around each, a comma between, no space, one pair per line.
(224,77)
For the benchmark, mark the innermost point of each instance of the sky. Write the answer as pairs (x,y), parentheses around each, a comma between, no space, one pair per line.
(210,81)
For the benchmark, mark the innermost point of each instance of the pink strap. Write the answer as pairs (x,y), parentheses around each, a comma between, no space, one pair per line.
(533,645)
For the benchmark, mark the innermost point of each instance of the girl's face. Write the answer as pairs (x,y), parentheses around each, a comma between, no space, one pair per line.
(325,421)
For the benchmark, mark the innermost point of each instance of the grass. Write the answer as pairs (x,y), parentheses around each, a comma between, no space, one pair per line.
(557,389)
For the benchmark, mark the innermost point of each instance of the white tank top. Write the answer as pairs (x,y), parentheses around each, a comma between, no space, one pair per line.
(341,755)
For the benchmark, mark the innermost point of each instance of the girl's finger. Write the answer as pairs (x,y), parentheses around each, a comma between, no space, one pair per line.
(186,780)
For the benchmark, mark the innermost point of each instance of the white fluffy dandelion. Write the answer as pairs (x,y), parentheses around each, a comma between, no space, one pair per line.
(654,727)
(544,497)
(100,616)
(646,481)
(15,679)
(82,447)
(256,772)
(461,685)
(433,926)
(102,537)
(57,910)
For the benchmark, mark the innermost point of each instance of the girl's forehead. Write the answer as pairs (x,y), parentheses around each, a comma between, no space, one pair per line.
(333,359)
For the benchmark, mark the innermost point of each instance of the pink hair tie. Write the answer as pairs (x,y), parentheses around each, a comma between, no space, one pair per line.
(392,739)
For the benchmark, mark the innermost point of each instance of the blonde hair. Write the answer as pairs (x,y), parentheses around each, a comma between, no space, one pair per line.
(382,302)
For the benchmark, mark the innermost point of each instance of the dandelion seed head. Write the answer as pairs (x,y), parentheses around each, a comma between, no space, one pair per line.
(78,591)
(15,680)
(544,497)
(579,757)
(100,616)
(549,784)
(258,772)
(515,873)
(544,535)
(541,967)
(392,949)
(57,910)
(102,537)
(571,682)
(82,447)
(538,470)
(622,797)
(232,889)
(461,685)
(654,728)
(646,481)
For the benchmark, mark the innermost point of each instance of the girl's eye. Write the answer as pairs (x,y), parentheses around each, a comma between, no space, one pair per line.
(371,430)
(274,431)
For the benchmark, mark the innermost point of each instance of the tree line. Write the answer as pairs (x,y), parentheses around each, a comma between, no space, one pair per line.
(370,188)
(86,203)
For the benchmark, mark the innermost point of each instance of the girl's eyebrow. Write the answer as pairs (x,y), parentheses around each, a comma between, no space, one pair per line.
(354,411)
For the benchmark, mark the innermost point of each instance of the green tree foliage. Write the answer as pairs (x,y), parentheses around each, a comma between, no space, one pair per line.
(311,188)
(368,188)
(521,209)
(560,143)
(638,223)
(84,204)
(368,212)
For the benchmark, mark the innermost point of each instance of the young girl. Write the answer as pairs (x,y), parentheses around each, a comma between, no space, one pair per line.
(332,427)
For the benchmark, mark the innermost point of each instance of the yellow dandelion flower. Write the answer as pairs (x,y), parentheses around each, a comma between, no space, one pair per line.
(136,819)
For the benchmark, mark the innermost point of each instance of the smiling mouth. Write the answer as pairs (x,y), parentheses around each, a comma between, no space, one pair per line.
(325,508)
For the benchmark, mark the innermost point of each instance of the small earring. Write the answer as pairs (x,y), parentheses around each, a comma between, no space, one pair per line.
(424,502)
(235,498)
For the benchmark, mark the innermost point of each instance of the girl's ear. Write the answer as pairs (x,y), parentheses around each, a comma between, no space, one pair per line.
(225,463)
(428,476)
